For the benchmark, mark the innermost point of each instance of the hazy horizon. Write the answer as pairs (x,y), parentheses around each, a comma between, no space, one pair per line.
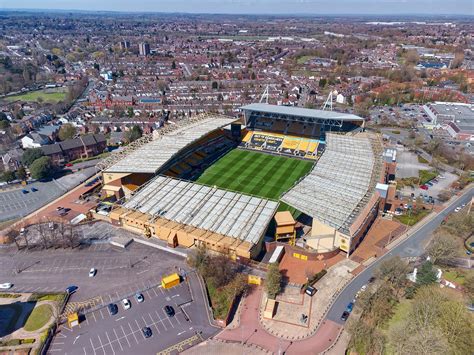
(257,7)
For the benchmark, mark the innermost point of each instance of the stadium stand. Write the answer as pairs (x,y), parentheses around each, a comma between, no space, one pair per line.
(283,144)
(186,213)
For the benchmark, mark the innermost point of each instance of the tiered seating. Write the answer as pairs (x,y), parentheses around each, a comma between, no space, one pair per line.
(247,136)
(279,126)
(283,144)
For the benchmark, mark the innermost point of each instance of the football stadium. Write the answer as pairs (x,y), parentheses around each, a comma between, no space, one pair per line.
(232,183)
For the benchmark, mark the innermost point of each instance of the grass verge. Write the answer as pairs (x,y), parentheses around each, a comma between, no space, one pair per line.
(38,318)
(413,218)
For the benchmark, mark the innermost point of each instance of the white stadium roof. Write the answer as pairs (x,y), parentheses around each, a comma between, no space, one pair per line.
(153,155)
(337,184)
(301,112)
(239,216)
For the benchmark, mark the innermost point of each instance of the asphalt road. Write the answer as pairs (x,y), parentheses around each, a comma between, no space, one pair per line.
(411,247)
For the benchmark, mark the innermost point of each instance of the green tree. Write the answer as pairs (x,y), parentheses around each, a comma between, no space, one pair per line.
(426,274)
(21,173)
(30,155)
(215,85)
(7,176)
(67,131)
(133,134)
(322,82)
(393,271)
(130,111)
(41,168)
(273,281)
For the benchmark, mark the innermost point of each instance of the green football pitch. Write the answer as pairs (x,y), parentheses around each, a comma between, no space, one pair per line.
(255,173)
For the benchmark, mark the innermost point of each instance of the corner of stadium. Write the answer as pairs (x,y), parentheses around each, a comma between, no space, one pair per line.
(308,178)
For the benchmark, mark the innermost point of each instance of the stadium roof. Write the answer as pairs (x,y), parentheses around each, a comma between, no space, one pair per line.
(153,155)
(333,190)
(220,211)
(301,112)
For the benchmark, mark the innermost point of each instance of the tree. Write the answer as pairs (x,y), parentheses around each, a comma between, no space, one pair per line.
(393,271)
(215,85)
(4,124)
(173,65)
(442,248)
(41,168)
(273,281)
(30,155)
(426,274)
(21,173)
(7,176)
(130,111)
(133,134)
(322,82)
(67,131)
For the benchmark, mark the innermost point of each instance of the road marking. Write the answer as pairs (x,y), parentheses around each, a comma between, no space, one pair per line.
(161,320)
(133,333)
(175,296)
(100,311)
(154,291)
(118,339)
(92,345)
(110,343)
(93,314)
(148,293)
(182,332)
(123,317)
(140,328)
(126,337)
(101,344)
(85,352)
(75,339)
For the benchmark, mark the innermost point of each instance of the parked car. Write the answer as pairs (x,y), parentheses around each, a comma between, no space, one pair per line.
(139,297)
(126,304)
(113,309)
(169,311)
(34,189)
(310,291)
(424,187)
(147,332)
(345,315)
(68,165)
(24,191)
(429,183)
(350,307)
(92,272)
(59,208)
(71,289)
(398,211)
(457,209)
(6,286)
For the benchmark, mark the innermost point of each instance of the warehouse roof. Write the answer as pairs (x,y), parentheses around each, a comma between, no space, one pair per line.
(301,112)
(153,155)
(220,211)
(332,191)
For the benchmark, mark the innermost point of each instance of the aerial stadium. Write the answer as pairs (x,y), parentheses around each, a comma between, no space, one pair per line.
(226,183)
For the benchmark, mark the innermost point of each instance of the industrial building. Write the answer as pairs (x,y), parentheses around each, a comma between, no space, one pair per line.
(456,118)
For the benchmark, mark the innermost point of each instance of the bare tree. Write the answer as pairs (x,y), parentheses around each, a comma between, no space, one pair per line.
(442,248)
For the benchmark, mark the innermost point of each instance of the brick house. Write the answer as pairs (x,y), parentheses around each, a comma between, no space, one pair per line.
(78,148)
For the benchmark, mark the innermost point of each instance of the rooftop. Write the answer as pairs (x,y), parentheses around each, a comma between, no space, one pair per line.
(238,216)
(153,155)
(301,112)
(332,191)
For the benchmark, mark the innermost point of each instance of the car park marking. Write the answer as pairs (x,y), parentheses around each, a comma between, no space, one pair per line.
(126,337)
(92,345)
(110,343)
(118,339)
(133,333)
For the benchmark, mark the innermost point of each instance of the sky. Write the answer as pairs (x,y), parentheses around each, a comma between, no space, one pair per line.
(277,7)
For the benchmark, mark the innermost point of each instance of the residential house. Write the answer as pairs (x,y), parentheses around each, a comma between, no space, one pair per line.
(77,148)
(34,140)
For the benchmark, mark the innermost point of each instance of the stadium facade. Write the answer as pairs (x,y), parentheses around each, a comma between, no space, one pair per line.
(157,196)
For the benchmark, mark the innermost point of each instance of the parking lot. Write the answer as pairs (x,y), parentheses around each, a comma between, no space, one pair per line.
(14,203)
(103,333)
(119,271)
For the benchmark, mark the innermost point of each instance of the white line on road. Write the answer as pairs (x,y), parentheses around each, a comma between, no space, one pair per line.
(126,337)
(118,339)
(110,343)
